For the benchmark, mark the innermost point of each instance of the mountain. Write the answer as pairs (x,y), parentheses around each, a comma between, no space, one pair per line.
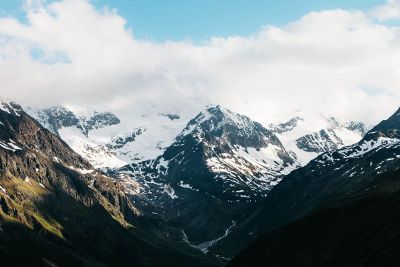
(309,134)
(108,141)
(216,170)
(340,209)
(237,152)
(57,210)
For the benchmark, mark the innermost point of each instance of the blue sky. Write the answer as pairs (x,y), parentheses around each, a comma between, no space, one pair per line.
(198,20)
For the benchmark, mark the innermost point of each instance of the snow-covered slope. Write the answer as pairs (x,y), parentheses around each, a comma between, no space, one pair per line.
(234,145)
(108,141)
(310,134)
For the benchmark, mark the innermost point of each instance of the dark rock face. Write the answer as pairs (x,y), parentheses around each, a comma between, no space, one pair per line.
(172,116)
(55,118)
(358,126)
(287,126)
(121,141)
(337,189)
(56,209)
(322,141)
(98,120)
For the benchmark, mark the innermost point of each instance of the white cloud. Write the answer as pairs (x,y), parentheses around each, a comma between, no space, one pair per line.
(389,11)
(341,62)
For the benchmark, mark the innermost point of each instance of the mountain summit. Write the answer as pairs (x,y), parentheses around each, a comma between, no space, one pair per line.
(236,129)
(232,144)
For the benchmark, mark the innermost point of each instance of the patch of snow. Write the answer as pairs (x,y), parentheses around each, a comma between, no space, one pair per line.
(14,146)
(170,191)
(9,146)
(82,171)
(3,190)
(187,186)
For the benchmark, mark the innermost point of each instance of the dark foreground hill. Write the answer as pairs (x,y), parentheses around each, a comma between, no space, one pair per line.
(360,231)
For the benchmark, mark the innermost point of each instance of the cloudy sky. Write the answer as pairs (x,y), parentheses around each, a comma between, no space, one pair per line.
(341,59)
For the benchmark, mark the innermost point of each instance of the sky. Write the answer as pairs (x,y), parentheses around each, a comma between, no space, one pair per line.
(198,20)
(264,59)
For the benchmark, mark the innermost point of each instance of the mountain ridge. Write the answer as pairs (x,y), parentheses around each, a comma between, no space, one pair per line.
(214,173)
(333,181)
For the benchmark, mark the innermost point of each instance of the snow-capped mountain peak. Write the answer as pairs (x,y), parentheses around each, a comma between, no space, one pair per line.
(239,130)
(221,147)
(309,134)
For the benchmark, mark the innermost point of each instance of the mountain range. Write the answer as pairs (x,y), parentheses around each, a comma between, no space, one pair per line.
(194,191)
(108,141)
(213,173)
